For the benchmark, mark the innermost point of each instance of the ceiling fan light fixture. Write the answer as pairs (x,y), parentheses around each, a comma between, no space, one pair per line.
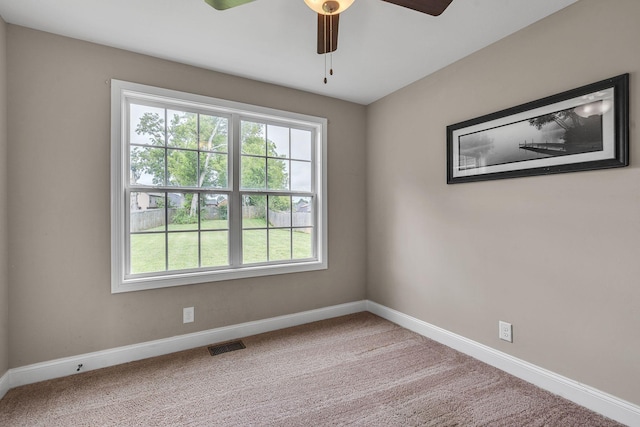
(329,7)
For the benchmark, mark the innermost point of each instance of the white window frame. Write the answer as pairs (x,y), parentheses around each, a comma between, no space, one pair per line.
(121,93)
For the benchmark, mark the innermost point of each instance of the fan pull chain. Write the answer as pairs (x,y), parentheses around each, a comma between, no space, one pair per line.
(331,48)
(324,21)
(325,68)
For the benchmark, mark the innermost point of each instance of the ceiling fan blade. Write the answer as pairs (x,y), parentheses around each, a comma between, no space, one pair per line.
(430,7)
(225,4)
(328,33)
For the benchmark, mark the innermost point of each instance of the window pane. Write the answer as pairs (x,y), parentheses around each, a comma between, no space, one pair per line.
(280,211)
(278,141)
(254,211)
(183,250)
(213,170)
(146,125)
(279,244)
(214,248)
(146,212)
(182,129)
(300,144)
(254,246)
(147,253)
(213,212)
(277,174)
(183,211)
(253,173)
(302,243)
(253,139)
(183,168)
(214,134)
(146,166)
(300,176)
(302,212)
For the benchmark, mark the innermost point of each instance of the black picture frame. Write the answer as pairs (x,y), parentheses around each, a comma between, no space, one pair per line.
(581,129)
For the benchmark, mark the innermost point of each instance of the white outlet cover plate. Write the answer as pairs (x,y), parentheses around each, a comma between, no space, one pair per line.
(188,315)
(504,331)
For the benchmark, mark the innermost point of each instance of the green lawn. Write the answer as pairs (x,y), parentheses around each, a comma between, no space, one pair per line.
(259,245)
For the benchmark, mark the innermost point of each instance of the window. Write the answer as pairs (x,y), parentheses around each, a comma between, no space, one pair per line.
(204,189)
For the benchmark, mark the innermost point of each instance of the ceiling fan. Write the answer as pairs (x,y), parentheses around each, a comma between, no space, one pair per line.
(329,15)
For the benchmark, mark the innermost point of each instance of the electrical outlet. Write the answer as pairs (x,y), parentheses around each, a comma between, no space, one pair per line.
(504,331)
(188,315)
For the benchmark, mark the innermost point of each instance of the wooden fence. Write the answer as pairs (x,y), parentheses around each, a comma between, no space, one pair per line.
(153,218)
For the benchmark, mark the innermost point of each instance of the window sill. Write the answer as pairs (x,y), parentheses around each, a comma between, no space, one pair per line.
(121,285)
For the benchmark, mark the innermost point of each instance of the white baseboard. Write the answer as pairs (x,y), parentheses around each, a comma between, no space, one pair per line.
(589,397)
(584,395)
(101,359)
(4,384)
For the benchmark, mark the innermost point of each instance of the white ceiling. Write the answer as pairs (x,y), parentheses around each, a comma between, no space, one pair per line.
(381,47)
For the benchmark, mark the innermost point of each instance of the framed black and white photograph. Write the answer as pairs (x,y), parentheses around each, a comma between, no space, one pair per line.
(581,129)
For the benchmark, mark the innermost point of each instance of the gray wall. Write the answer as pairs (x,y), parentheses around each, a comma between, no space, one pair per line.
(4,283)
(59,136)
(557,256)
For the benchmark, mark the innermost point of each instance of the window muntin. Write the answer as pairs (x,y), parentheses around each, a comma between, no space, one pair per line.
(170,147)
(277,228)
(212,190)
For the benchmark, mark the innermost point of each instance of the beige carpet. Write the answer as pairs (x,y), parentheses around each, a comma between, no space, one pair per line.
(356,370)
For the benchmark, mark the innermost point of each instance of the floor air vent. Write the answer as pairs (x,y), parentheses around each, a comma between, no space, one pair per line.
(217,349)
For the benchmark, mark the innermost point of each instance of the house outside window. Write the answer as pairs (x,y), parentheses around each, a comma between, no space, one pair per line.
(206,189)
